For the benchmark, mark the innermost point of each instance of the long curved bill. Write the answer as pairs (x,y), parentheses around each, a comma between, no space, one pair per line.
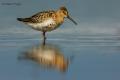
(72,20)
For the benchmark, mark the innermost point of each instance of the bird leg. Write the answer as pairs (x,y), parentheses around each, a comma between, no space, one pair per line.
(44,37)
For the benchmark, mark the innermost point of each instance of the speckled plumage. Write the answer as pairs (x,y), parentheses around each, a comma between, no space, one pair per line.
(42,17)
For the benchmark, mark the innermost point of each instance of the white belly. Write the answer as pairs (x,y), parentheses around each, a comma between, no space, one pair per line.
(42,25)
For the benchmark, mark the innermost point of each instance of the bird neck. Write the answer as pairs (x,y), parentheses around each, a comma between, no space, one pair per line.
(59,17)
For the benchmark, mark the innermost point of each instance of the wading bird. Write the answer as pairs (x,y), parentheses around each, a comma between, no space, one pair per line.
(47,20)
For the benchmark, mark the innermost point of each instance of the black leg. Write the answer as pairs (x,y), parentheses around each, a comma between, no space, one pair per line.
(44,38)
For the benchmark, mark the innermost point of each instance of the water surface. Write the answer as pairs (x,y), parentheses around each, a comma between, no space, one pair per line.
(96,57)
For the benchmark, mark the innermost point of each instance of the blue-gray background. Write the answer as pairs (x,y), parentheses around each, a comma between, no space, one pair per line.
(93,16)
(95,40)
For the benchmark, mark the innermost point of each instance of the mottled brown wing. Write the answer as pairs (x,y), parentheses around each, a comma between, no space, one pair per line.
(41,16)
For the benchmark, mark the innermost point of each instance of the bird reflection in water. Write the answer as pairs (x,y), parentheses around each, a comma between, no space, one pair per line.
(48,56)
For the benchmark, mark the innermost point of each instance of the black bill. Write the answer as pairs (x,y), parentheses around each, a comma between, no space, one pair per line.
(72,20)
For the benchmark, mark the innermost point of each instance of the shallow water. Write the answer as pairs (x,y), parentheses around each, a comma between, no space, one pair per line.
(96,57)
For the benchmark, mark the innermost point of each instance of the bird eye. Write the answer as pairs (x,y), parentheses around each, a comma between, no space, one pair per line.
(64,12)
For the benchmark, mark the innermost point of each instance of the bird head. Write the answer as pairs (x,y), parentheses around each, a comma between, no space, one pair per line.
(64,12)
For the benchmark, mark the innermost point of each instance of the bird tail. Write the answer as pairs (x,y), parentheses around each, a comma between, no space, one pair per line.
(23,19)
